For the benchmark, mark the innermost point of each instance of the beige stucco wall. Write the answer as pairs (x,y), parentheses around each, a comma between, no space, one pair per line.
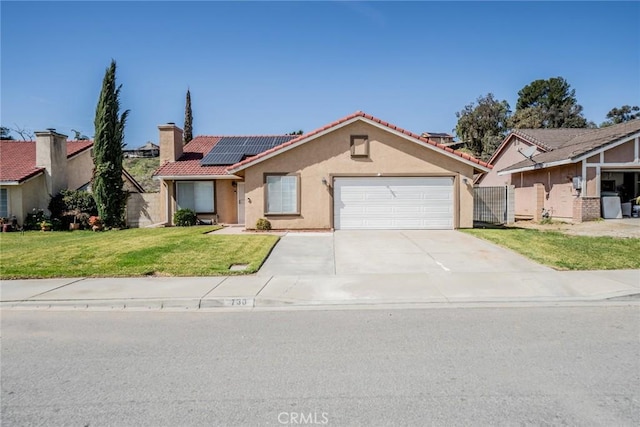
(594,159)
(525,202)
(26,197)
(225,202)
(329,156)
(509,156)
(620,154)
(590,183)
(558,186)
(143,209)
(79,169)
(14,202)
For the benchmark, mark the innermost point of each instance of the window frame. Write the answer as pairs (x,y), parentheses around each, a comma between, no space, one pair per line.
(6,190)
(352,142)
(213,189)
(266,194)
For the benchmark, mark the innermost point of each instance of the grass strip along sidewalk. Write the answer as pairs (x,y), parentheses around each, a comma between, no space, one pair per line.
(175,251)
(564,252)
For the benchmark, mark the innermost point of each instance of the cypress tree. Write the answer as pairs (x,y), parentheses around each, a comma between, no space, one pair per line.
(107,184)
(188,119)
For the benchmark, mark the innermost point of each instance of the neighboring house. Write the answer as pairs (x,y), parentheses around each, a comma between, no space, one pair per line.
(358,172)
(147,150)
(566,171)
(441,138)
(32,171)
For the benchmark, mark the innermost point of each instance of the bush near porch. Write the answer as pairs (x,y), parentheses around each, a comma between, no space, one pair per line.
(175,251)
(564,252)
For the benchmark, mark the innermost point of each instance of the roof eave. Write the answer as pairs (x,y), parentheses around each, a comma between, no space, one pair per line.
(537,166)
(24,179)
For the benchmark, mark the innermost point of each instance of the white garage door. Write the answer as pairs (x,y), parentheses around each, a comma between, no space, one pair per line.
(393,203)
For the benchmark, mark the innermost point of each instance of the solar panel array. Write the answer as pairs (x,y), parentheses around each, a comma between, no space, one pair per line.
(233,149)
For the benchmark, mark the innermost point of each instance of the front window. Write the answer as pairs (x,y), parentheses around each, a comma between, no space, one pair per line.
(196,195)
(282,194)
(4,203)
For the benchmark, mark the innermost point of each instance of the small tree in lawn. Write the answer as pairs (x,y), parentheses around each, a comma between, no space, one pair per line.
(107,183)
(188,119)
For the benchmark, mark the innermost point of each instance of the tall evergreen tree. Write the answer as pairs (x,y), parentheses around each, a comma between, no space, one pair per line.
(548,103)
(188,119)
(621,115)
(108,142)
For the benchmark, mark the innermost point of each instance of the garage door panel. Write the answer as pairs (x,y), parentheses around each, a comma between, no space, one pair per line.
(393,203)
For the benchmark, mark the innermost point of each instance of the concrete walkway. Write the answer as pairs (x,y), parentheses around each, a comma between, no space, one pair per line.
(317,291)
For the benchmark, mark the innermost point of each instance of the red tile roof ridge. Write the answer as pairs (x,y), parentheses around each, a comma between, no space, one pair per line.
(369,117)
(239,136)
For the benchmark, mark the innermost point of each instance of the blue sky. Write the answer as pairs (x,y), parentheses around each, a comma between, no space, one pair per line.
(274,67)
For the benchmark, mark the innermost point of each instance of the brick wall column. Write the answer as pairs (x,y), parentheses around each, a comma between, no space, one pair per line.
(586,209)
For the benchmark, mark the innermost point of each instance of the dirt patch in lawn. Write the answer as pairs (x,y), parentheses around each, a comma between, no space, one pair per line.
(627,227)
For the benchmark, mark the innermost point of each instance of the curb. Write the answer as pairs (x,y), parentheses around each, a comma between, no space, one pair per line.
(252,302)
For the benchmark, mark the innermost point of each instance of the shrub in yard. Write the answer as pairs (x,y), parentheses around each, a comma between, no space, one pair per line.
(263,224)
(72,206)
(33,219)
(185,218)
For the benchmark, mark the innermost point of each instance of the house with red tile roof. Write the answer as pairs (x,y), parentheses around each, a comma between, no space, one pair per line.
(567,172)
(358,172)
(32,171)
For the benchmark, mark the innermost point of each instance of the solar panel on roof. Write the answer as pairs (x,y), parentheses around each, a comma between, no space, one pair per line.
(232,149)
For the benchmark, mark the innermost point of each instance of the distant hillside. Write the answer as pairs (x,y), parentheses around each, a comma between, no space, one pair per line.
(141,169)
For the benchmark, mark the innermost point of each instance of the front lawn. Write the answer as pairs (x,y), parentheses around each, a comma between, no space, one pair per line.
(177,251)
(565,252)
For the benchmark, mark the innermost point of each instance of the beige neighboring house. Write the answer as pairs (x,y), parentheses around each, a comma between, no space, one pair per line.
(32,171)
(567,171)
(358,172)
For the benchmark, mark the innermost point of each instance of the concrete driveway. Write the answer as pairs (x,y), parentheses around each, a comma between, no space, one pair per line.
(391,252)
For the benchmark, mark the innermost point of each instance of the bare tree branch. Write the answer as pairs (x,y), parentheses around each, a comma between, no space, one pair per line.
(24,133)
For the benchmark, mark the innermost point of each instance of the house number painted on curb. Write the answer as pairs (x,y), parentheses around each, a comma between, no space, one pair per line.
(239,302)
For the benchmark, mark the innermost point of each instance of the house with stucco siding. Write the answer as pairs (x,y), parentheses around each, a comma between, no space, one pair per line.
(32,171)
(358,172)
(568,171)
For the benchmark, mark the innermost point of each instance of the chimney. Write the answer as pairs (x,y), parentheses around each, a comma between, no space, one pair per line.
(51,154)
(170,142)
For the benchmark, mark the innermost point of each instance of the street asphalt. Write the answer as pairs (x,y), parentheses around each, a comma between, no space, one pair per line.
(312,270)
(530,366)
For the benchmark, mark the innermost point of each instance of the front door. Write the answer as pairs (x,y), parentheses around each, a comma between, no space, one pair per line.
(240,194)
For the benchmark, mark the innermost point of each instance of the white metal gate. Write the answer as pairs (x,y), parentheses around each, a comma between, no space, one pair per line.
(494,205)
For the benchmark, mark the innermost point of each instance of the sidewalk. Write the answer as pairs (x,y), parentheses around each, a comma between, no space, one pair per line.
(360,290)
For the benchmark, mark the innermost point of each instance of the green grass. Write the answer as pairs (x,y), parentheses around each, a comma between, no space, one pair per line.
(141,169)
(178,251)
(565,252)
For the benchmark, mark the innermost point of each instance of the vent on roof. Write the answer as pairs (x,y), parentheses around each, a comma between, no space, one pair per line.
(233,149)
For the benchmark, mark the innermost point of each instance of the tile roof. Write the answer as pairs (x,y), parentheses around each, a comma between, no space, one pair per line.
(582,143)
(242,164)
(550,139)
(189,163)
(18,159)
